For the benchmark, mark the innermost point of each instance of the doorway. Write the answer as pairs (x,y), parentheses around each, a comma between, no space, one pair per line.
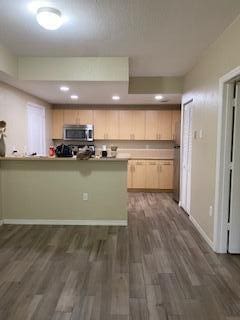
(186,157)
(227,206)
(36,129)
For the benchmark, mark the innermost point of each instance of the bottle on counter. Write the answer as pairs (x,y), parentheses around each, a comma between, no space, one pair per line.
(52,152)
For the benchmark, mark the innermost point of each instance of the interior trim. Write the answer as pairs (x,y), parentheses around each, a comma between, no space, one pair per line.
(201,231)
(67,222)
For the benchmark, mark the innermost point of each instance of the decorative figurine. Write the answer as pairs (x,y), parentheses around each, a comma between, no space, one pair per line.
(2,136)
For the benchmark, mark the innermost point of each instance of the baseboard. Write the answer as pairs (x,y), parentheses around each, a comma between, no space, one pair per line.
(67,222)
(202,232)
(150,190)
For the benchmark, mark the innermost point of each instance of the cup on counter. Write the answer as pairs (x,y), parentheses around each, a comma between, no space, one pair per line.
(104,151)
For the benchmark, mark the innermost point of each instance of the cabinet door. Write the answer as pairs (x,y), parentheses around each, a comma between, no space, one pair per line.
(152,125)
(166,174)
(138,175)
(125,124)
(165,125)
(99,122)
(57,124)
(176,123)
(85,117)
(138,125)
(112,124)
(70,116)
(152,175)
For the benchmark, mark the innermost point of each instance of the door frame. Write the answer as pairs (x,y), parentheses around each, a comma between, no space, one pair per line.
(43,110)
(181,153)
(222,165)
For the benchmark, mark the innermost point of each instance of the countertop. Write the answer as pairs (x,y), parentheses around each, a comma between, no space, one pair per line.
(36,158)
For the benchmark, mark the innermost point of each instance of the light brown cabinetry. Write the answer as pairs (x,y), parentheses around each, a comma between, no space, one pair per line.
(150,174)
(120,124)
(176,123)
(131,125)
(106,124)
(158,125)
(75,116)
(165,174)
(136,175)
(57,124)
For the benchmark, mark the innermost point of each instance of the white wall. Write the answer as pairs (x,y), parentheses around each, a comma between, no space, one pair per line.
(202,85)
(13,109)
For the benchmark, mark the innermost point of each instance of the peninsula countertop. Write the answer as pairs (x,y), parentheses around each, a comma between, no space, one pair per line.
(45,158)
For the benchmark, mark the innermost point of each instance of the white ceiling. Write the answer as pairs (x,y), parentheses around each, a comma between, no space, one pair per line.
(161,37)
(88,92)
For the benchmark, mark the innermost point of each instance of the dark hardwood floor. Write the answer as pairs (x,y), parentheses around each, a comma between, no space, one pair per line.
(157,268)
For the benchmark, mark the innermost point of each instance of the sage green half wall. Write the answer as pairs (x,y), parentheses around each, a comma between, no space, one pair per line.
(53,190)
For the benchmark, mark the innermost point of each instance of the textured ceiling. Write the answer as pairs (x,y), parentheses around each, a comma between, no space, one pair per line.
(161,37)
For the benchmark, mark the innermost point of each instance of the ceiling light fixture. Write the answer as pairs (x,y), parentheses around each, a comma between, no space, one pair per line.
(115,97)
(74,97)
(49,18)
(64,88)
(158,97)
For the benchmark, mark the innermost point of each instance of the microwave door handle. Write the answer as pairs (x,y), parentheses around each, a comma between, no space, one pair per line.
(87,135)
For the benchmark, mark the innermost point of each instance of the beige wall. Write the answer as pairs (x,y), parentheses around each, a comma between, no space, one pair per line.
(8,62)
(202,85)
(13,109)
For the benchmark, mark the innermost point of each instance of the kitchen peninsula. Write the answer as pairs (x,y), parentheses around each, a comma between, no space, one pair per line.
(63,191)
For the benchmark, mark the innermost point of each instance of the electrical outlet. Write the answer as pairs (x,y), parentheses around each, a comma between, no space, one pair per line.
(200,133)
(210,211)
(85,196)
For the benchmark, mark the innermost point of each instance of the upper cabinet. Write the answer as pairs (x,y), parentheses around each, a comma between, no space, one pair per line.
(121,124)
(57,124)
(158,125)
(131,125)
(106,124)
(75,116)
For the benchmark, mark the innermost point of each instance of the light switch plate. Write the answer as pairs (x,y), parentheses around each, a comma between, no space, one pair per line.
(85,196)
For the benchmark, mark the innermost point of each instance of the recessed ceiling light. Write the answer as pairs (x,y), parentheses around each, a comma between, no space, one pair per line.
(158,97)
(49,18)
(74,97)
(115,97)
(64,88)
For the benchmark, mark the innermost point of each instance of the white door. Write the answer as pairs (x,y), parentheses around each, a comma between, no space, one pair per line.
(36,129)
(234,212)
(186,158)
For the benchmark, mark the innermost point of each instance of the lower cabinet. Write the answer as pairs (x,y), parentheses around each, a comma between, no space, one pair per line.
(150,174)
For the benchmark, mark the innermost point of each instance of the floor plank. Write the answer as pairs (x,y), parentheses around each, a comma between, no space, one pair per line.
(159,267)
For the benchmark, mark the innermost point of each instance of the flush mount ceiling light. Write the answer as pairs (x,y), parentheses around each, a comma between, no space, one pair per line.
(74,97)
(49,18)
(64,88)
(158,97)
(115,98)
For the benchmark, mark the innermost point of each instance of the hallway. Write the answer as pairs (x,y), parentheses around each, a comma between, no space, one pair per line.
(157,268)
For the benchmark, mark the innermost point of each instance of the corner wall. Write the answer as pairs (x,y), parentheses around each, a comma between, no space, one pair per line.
(13,109)
(202,85)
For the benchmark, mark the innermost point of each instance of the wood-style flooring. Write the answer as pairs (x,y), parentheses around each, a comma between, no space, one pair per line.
(157,268)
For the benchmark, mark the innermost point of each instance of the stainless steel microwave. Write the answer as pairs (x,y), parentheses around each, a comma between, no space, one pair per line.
(78,132)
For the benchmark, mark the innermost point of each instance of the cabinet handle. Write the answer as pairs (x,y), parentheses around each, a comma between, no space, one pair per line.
(166,163)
